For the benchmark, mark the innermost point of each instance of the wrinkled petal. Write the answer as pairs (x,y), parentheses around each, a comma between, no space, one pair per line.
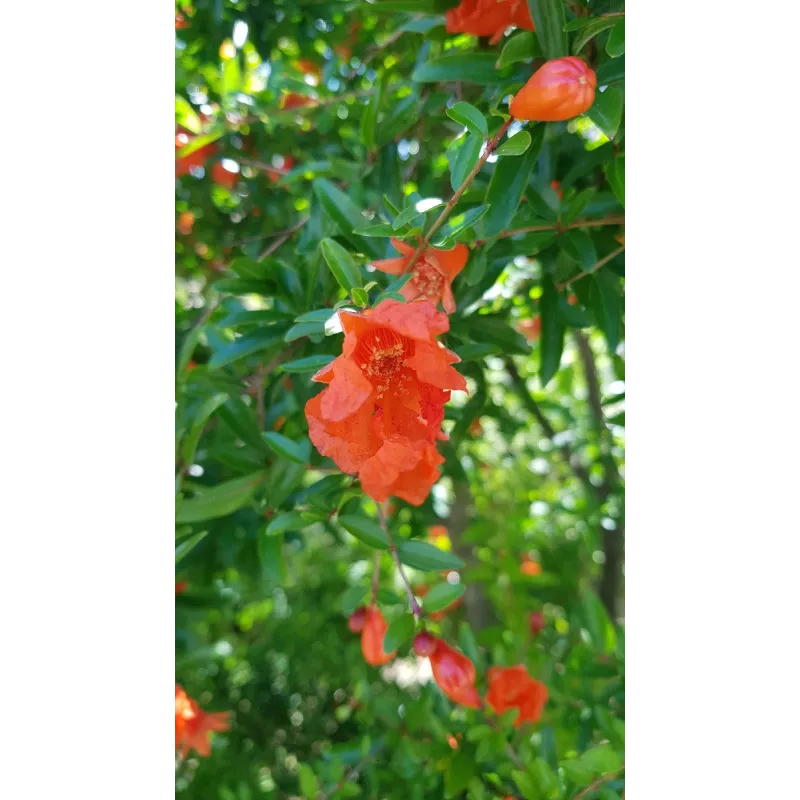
(416,320)
(453,261)
(430,363)
(448,300)
(346,393)
(410,291)
(391,266)
(402,247)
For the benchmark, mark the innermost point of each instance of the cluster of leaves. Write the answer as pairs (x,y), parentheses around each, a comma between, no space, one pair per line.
(275,543)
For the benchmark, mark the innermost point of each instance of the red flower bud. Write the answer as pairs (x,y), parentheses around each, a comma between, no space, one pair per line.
(424,644)
(372,636)
(357,618)
(536,622)
(454,673)
(559,90)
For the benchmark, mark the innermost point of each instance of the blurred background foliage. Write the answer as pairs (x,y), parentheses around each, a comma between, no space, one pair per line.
(532,493)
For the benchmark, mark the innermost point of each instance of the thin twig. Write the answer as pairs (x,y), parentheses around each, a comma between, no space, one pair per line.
(283,238)
(412,601)
(451,203)
(356,769)
(601,263)
(376,571)
(558,227)
(599,782)
(389,42)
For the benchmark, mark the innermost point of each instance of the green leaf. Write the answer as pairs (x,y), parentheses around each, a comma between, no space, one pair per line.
(302,329)
(407,215)
(247,345)
(615,46)
(424,556)
(309,785)
(360,297)
(220,500)
(405,6)
(516,145)
(352,599)
(477,68)
(299,452)
(183,548)
(606,111)
(365,530)
(601,760)
(307,364)
(461,222)
(601,631)
(462,155)
(476,351)
(590,30)
(288,521)
(525,784)
(231,76)
(605,302)
(476,266)
(469,116)
(443,595)
(273,563)
(347,216)
(546,780)
(241,419)
(318,315)
(459,773)
(615,174)
(578,773)
(186,116)
(552,338)
(207,408)
(404,115)
(549,20)
(341,264)
(382,230)
(398,633)
(201,141)
(508,184)
(519,47)
(613,71)
(579,247)
(369,118)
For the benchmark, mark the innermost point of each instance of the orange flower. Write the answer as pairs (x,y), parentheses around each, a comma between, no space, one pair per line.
(556,187)
(513,687)
(384,404)
(294,100)
(530,567)
(356,620)
(572,299)
(453,672)
(559,90)
(193,726)
(433,273)
(181,586)
(180,21)
(185,222)
(275,173)
(489,17)
(222,176)
(531,329)
(308,67)
(372,635)
(475,427)
(196,159)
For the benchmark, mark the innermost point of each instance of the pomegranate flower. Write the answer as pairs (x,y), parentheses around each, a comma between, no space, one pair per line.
(193,726)
(432,274)
(384,402)
(513,687)
(453,672)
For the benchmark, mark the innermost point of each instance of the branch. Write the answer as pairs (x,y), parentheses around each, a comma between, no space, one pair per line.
(599,782)
(376,573)
(612,540)
(451,203)
(557,226)
(549,431)
(412,601)
(601,263)
(283,238)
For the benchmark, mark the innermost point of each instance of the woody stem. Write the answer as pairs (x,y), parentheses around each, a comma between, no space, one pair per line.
(412,601)
(451,203)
